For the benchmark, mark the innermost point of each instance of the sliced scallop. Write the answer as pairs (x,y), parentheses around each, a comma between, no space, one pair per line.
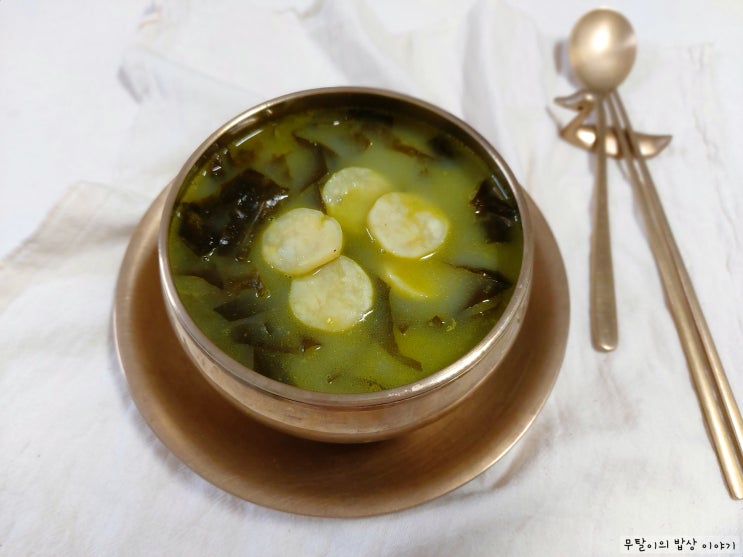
(301,240)
(407,225)
(413,278)
(334,298)
(350,193)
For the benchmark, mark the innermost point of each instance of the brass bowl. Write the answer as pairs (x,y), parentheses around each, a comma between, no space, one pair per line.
(350,418)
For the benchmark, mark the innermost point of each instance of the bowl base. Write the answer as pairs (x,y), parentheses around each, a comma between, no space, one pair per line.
(273,469)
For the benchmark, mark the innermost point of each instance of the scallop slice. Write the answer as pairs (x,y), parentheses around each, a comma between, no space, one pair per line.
(301,240)
(414,279)
(407,225)
(333,299)
(350,193)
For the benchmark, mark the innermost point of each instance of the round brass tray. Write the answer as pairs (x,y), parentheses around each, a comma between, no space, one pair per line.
(239,455)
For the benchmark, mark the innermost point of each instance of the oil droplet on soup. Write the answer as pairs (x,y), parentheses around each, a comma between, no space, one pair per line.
(344,250)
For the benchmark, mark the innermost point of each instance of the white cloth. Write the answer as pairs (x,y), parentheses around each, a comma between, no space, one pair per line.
(620,449)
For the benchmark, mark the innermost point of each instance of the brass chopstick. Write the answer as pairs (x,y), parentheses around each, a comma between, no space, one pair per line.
(719,407)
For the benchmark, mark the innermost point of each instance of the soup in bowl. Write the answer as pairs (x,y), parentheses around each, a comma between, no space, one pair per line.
(346,264)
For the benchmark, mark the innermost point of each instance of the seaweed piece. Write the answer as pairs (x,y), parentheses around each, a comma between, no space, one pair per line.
(361,140)
(443,146)
(244,156)
(318,164)
(251,197)
(261,334)
(358,384)
(397,144)
(207,155)
(199,227)
(441,323)
(219,162)
(410,151)
(249,303)
(252,280)
(214,161)
(210,273)
(329,157)
(337,139)
(437,321)
(384,327)
(489,294)
(230,216)
(249,188)
(367,115)
(497,213)
(309,344)
(371,385)
(320,169)
(269,363)
(239,308)
(311,197)
(232,231)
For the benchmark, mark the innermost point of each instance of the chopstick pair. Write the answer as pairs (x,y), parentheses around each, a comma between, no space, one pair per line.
(719,407)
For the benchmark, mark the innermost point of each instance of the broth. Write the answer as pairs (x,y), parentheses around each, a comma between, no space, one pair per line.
(344,250)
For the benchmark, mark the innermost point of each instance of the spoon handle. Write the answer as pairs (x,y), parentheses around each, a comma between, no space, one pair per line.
(719,407)
(603,302)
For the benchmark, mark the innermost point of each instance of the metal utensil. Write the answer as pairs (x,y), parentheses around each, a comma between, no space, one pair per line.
(719,407)
(581,133)
(602,54)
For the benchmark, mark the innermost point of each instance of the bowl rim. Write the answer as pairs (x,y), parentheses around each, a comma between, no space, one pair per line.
(288,103)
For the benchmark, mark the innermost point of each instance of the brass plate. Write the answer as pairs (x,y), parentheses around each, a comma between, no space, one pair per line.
(276,470)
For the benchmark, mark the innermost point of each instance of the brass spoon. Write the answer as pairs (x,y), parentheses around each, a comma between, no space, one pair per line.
(602,52)
(608,32)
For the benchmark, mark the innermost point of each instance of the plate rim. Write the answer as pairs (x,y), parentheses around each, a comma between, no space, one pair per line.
(159,416)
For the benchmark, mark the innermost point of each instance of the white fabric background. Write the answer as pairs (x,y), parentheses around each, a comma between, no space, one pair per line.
(101,103)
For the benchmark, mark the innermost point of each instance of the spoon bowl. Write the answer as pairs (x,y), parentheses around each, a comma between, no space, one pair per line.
(602,49)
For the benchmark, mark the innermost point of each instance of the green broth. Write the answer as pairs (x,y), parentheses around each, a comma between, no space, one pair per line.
(241,302)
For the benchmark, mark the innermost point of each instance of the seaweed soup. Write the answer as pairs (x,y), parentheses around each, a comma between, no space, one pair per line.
(344,250)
